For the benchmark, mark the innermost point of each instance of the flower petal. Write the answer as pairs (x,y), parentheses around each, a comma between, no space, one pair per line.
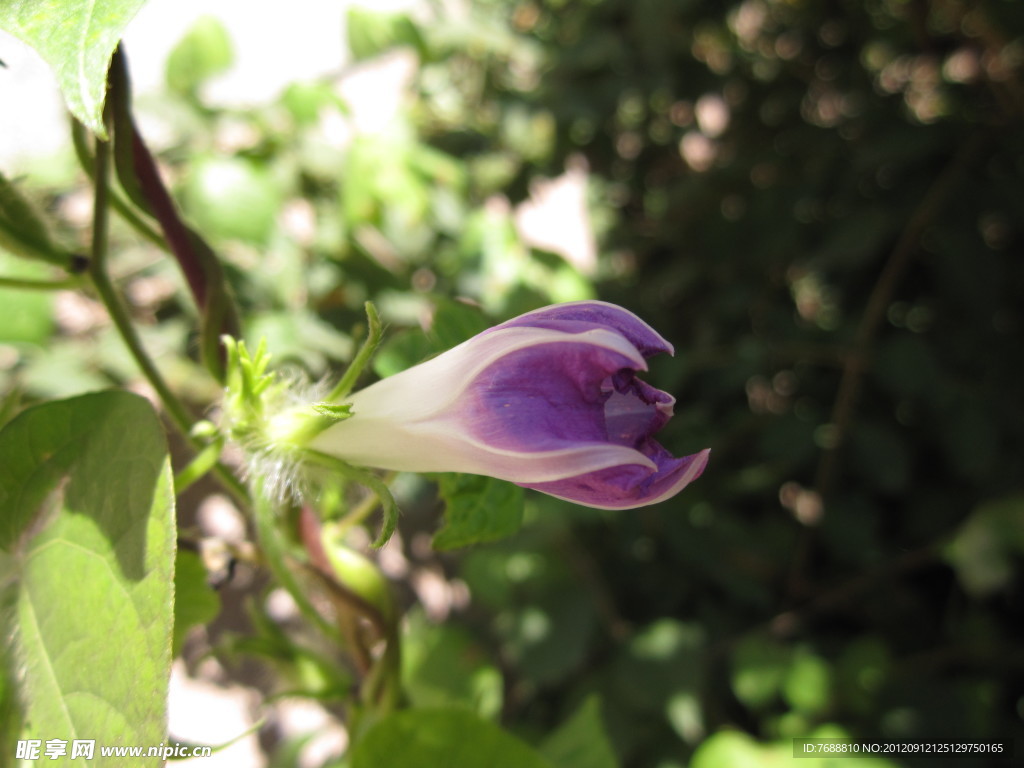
(628,487)
(542,397)
(549,400)
(433,418)
(577,316)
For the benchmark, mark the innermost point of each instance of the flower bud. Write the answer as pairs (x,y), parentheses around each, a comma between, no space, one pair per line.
(549,400)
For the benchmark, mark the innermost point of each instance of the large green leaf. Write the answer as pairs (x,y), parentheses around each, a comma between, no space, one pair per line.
(77,39)
(442,738)
(87,539)
(195,602)
(581,742)
(478,509)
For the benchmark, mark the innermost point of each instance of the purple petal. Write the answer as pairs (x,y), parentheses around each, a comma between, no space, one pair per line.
(543,398)
(631,486)
(578,316)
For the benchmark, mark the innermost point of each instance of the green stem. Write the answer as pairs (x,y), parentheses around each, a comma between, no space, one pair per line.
(205,461)
(108,295)
(40,285)
(276,558)
(367,506)
(375,333)
(375,484)
(118,203)
(122,321)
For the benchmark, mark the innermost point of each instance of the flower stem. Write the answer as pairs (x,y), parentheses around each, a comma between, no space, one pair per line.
(122,321)
(117,202)
(205,461)
(275,555)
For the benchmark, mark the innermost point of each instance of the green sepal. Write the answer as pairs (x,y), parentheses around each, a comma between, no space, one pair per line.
(23,232)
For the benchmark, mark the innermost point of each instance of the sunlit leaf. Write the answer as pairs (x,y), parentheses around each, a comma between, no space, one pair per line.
(77,39)
(203,52)
(86,488)
(442,738)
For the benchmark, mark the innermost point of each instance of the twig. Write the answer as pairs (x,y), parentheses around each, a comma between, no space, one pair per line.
(857,361)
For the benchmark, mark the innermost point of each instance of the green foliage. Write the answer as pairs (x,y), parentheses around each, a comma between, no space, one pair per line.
(77,39)
(987,546)
(371,32)
(580,742)
(195,603)
(477,509)
(231,198)
(205,51)
(28,316)
(442,738)
(817,204)
(22,229)
(444,666)
(88,534)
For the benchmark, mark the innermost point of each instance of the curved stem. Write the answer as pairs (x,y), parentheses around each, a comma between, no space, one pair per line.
(377,486)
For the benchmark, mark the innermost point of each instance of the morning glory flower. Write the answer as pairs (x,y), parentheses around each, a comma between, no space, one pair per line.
(549,400)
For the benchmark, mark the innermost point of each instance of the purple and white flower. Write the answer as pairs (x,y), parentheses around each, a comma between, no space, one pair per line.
(549,400)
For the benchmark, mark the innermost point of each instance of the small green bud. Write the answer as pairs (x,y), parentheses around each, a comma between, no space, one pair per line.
(358,573)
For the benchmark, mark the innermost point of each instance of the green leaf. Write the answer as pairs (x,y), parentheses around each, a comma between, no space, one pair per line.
(28,315)
(203,52)
(76,38)
(442,738)
(985,551)
(88,532)
(454,322)
(759,667)
(477,509)
(22,229)
(195,602)
(581,742)
(401,350)
(444,666)
(372,32)
(232,198)
(808,683)
(734,749)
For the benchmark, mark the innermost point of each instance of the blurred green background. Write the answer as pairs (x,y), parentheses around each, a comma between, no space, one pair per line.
(818,203)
